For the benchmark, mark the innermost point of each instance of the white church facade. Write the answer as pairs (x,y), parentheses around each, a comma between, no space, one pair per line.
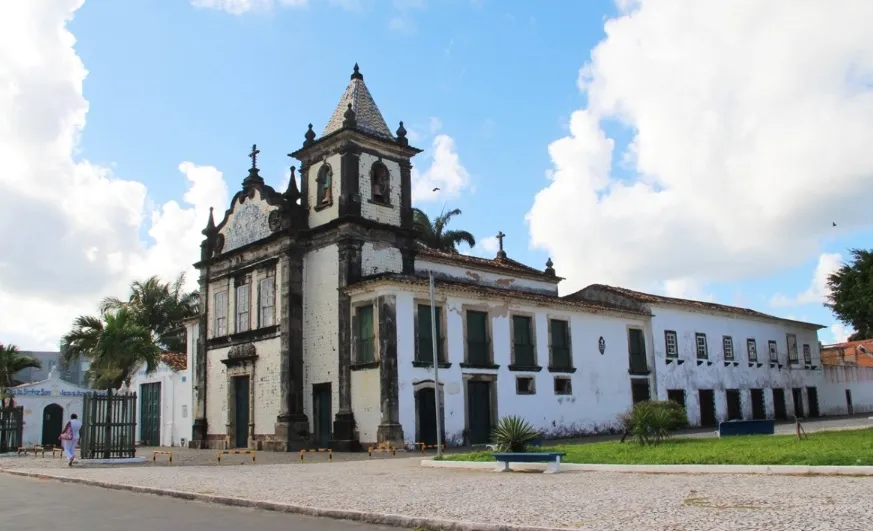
(315,322)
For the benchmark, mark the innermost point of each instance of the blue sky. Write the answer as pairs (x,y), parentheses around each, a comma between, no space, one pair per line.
(169,82)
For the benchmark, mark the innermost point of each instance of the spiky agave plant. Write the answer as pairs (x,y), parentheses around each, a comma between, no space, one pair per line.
(513,434)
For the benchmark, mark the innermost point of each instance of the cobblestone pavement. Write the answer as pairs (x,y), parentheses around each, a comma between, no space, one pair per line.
(575,500)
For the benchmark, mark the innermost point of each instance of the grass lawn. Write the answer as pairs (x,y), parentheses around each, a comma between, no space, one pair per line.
(850,447)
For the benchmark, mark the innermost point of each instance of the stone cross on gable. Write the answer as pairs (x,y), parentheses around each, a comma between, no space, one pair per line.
(254,156)
(501,253)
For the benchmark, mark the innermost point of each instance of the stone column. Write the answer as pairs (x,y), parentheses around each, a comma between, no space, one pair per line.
(406,194)
(200,427)
(349,272)
(389,430)
(292,425)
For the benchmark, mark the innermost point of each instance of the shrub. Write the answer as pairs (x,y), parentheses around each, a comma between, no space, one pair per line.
(512,434)
(651,422)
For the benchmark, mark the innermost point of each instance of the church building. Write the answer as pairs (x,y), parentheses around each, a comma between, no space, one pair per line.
(315,325)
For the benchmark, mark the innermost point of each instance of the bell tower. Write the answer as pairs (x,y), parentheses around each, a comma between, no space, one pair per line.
(357,196)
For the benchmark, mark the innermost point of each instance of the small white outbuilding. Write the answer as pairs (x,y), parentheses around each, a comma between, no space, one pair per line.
(47,407)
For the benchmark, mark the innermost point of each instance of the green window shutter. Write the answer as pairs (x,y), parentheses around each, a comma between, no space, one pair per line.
(637,350)
(477,337)
(366,335)
(425,343)
(524,353)
(560,343)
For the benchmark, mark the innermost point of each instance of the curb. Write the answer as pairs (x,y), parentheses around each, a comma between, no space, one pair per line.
(773,470)
(394,520)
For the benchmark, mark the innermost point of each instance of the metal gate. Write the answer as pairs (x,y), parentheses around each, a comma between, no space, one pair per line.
(150,414)
(11,428)
(109,426)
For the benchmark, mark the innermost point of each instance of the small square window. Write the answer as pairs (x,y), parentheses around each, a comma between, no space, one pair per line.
(563,386)
(752,349)
(524,385)
(728,347)
(702,350)
(671,344)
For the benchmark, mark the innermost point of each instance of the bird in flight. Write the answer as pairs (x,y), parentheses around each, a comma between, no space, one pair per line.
(835,223)
(436,190)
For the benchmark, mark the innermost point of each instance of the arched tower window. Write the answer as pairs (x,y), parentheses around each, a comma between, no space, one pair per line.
(324,182)
(380,183)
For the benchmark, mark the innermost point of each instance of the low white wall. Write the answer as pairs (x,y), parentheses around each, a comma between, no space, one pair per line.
(837,380)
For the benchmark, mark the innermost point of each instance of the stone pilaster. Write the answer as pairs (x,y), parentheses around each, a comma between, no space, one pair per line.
(292,425)
(406,194)
(304,186)
(200,425)
(389,430)
(350,180)
(349,272)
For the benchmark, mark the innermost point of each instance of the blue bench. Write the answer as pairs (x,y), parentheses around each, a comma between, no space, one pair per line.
(747,427)
(553,458)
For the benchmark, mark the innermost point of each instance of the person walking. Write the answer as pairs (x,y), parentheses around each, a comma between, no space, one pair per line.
(70,438)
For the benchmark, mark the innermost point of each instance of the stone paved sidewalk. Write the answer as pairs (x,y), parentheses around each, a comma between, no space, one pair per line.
(573,500)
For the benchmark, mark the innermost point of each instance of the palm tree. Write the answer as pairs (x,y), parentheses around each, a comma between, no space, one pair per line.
(12,361)
(117,346)
(433,234)
(162,307)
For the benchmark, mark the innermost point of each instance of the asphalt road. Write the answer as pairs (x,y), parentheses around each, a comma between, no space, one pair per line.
(43,505)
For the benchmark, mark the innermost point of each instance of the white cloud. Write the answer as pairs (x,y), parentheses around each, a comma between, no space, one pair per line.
(435,125)
(488,244)
(239,7)
(71,229)
(752,124)
(818,290)
(839,333)
(445,172)
(401,24)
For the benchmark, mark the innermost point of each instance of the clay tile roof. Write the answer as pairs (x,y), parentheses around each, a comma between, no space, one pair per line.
(174,360)
(367,115)
(848,353)
(497,293)
(648,298)
(498,264)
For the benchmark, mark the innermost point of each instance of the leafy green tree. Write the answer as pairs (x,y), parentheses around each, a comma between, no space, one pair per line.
(433,233)
(851,297)
(162,307)
(12,361)
(117,347)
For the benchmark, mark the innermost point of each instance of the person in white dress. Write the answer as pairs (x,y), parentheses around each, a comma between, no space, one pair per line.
(70,438)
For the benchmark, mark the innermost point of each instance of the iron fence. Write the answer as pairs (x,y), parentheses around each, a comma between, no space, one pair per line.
(108,426)
(11,428)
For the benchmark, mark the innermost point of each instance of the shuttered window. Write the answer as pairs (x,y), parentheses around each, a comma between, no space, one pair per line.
(425,337)
(523,341)
(477,338)
(560,332)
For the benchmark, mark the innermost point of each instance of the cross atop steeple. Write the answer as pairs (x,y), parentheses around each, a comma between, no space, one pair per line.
(501,253)
(254,156)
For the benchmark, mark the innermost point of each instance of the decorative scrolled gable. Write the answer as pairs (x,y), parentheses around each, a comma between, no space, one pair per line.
(247,222)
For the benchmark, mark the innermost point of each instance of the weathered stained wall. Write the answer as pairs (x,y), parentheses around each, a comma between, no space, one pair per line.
(247,223)
(600,385)
(320,339)
(322,215)
(488,278)
(366,405)
(388,214)
(380,258)
(837,380)
(216,392)
(691,377)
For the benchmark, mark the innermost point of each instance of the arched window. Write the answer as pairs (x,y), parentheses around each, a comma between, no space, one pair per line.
(380,183)
(324,193)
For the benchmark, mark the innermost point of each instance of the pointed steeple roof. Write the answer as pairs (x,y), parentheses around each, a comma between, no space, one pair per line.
(367,117)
